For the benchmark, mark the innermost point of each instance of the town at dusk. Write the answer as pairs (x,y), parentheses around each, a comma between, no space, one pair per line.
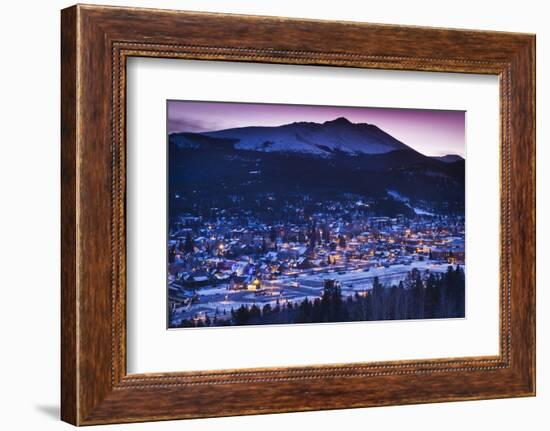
(306,214)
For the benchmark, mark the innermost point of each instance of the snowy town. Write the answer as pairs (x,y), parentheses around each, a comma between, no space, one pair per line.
(224,262)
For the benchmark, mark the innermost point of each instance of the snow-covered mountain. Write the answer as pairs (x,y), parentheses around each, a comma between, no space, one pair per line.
(323,139)
(321,159)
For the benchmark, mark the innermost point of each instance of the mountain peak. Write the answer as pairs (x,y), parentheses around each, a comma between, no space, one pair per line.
(339,120)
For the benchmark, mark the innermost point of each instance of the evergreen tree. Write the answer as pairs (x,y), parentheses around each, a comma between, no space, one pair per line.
(417,294)
(326,234)
(255,312)
(342,241)
(313,236)
(304,312)
(242,315)
(432,298)
(189,243)
(460,292)
(172,254)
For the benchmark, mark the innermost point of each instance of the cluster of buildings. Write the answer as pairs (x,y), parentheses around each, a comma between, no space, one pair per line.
(237,252)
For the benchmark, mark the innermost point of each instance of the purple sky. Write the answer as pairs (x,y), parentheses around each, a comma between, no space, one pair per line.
(431,132)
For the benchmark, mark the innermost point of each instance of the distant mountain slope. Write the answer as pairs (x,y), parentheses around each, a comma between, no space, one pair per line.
(327,139)
(322,161)
(449,158)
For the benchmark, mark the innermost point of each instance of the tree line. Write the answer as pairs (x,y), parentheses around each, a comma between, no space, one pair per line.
(433,295)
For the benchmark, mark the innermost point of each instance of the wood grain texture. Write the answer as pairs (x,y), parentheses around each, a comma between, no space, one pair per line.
(96,41)
(69,397)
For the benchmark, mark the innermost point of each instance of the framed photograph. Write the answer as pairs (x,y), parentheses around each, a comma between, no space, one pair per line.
(322,214)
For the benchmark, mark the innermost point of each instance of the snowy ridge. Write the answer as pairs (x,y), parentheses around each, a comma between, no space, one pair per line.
(322,139)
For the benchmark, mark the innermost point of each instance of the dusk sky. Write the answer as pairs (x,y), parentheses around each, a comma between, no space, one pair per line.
(431,132)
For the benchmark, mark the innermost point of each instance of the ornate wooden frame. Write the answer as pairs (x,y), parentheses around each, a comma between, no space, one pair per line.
(96,41)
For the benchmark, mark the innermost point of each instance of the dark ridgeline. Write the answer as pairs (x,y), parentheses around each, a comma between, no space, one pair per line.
(436,296)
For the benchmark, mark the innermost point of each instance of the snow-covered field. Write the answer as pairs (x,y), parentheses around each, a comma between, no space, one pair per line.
(406,201)
(219,300)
